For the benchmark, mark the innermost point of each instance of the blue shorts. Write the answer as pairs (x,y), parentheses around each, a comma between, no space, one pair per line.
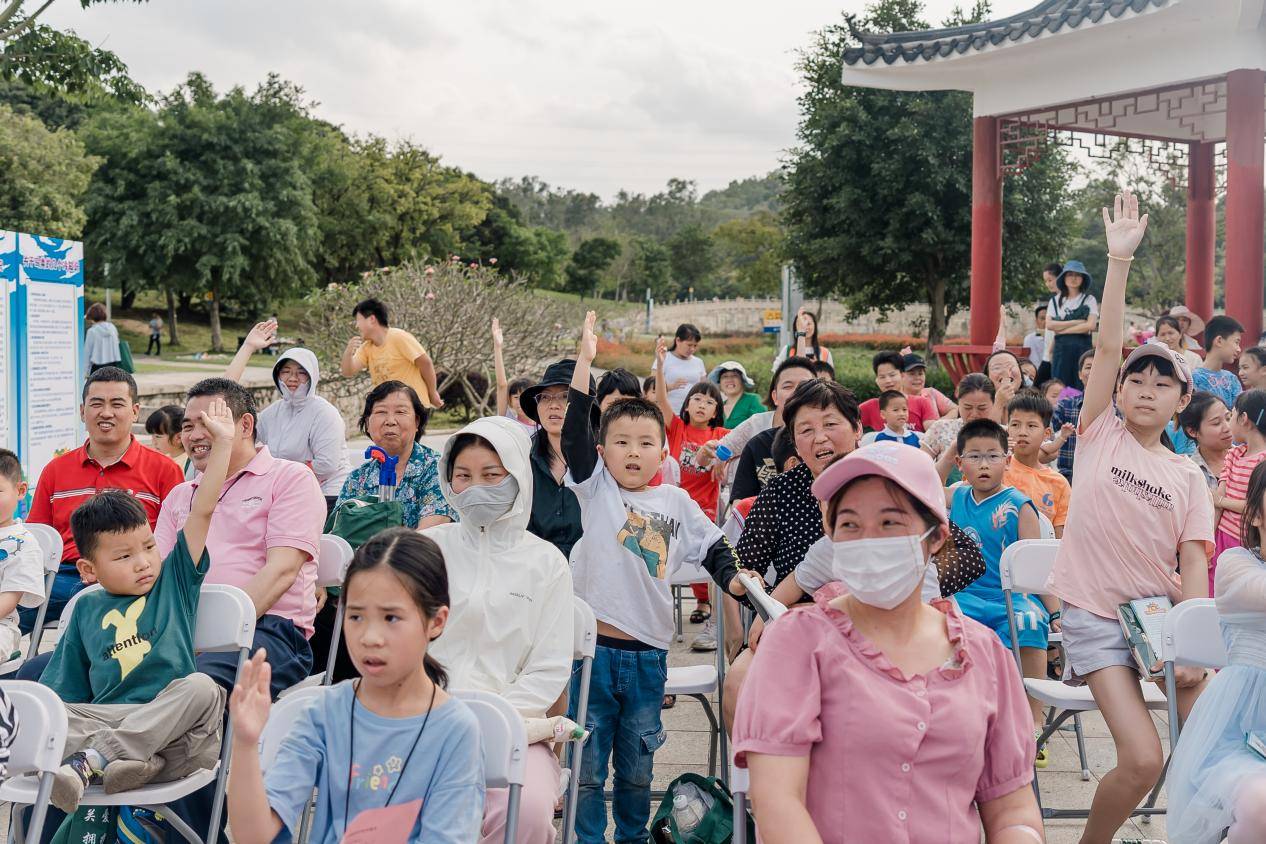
(1032,621)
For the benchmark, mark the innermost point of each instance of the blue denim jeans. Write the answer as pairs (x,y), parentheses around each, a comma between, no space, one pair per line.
(626,693)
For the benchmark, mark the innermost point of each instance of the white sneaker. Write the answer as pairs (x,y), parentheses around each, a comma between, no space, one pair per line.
(707,638)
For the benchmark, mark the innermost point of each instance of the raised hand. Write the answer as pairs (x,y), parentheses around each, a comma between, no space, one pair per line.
(263,335)
(355,343)
(1123,226)
(218,419)
(498,339)
(251,700)
(661,349)
(588,348)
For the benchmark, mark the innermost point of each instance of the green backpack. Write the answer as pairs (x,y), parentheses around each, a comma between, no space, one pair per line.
(125,357)
(717,826)
(357,519)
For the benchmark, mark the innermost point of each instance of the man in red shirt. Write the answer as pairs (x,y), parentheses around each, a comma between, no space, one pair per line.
(888,367)
(111,459)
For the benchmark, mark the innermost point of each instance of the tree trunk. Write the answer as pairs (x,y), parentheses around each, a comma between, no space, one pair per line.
(938,318)
(185,301)
(127,295)
(172,337)
(217,342)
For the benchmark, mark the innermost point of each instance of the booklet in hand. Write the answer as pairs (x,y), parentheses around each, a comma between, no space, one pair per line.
(1143,622)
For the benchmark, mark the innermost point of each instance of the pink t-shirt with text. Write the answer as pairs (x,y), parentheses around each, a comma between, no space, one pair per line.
(272,503)
(891,758)
(1130,510)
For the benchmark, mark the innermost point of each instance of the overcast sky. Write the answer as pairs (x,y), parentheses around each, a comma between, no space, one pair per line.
(591,96)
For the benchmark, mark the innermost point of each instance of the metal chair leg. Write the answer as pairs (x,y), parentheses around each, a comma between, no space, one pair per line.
(1081,748)
(714,730)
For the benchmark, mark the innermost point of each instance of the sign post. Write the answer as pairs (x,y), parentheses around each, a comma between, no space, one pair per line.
(792,299)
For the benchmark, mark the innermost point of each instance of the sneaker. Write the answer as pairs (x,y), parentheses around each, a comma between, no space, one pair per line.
(69,782)
(1041,761)
(707,638)
(127,774)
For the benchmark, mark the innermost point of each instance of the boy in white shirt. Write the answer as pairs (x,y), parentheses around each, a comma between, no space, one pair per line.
(635,536)
(21,561)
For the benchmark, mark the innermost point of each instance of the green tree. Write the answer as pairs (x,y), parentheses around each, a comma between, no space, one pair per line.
(43,177)
(750,251)
(210,197)
(590,260)
(535,252)
(878,199)
(652,268)
(35,54)
(693,259)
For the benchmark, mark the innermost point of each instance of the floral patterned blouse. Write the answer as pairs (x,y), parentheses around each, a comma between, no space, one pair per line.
(419,491)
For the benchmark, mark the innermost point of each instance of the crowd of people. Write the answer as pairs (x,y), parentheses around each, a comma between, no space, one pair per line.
(882,523)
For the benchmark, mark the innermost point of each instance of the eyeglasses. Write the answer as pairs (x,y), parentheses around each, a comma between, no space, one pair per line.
(975,457)
(547,399)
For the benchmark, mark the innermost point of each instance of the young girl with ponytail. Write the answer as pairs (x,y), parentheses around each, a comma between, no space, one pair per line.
(384,740)
(1248,426)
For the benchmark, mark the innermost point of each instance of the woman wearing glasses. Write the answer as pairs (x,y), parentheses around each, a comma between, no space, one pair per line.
(555,511)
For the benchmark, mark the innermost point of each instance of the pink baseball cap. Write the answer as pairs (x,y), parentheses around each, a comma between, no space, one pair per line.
(1156,349)
(909,468)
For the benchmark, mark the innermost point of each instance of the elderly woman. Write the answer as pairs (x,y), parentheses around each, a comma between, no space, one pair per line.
(955,751)
(740,403)
(302,426)
(393,420)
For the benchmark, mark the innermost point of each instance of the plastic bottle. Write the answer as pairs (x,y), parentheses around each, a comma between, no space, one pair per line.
(688,812)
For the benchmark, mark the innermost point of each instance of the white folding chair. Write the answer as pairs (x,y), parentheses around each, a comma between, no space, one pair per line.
(281,718)
(698,681)
(37,749)
(333,557)
(1025,567)
(1193,636)
(225,624)
(584,645)
(50,542)
(505,749)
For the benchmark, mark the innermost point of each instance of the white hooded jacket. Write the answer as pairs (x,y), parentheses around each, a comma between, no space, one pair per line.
(306,428)
(510,594)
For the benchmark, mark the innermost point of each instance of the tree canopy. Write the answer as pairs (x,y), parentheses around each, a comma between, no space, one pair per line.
(43,177)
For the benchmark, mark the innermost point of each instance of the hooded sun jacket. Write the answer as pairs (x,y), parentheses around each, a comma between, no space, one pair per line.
(509,627)
(306,428)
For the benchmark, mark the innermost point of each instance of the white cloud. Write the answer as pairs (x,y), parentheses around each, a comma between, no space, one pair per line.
(590,96)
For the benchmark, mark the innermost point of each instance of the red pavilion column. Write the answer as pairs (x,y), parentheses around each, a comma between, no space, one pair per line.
(1201,228)
(1245,129)
(986,232)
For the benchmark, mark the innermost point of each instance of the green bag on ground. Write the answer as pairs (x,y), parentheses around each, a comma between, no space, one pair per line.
(357,519)
(717,826)
(125,357)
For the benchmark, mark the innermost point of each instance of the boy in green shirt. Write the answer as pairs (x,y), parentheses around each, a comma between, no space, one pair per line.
(137,709)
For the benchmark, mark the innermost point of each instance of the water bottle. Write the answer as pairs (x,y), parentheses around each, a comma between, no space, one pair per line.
(724,453)
(688,812)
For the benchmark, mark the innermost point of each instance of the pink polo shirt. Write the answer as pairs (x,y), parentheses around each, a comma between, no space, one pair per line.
(272,503)
(891,758)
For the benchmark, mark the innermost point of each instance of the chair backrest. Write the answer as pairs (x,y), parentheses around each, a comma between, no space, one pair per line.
(226,617)
(1193,635)
(1026,565)
(333,556)
(686,575)
(1046,527)
(282,718)
(51,545)
(584,630)
(505,737)
(40,739)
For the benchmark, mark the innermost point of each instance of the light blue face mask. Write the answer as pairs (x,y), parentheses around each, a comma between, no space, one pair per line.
(483,504)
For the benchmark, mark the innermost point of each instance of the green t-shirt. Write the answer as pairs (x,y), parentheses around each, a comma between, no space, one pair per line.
(748,405)
(128,648)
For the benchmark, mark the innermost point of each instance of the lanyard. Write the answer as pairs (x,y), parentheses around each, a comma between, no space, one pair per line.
(351,752)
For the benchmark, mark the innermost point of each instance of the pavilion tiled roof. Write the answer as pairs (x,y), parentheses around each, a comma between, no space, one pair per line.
(1048,17)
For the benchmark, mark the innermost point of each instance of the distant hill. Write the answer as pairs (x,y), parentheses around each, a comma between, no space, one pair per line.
(746,196)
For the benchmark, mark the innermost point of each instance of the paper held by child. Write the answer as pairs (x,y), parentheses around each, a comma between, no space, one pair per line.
(1143,622)
(557,729)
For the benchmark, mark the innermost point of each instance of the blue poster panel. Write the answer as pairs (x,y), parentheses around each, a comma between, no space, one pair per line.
(9,375)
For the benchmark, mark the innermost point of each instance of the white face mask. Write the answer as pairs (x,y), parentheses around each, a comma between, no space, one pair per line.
(481,505)
(880,572)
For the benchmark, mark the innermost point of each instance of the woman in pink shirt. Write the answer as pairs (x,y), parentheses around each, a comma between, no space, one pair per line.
(956,748)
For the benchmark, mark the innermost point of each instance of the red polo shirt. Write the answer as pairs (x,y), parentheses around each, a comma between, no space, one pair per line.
(74,476)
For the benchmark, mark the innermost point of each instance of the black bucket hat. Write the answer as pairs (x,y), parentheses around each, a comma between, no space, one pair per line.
(557,374)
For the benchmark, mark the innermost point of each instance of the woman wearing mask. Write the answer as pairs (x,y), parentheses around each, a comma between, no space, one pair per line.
(509,627)
(302,426)
(957,735)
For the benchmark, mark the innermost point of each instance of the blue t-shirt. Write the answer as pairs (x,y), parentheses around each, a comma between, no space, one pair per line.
(911,438)
(446,769)
(994,524)
(1222,383)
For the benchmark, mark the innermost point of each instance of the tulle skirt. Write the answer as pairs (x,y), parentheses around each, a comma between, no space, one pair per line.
(1212,761)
